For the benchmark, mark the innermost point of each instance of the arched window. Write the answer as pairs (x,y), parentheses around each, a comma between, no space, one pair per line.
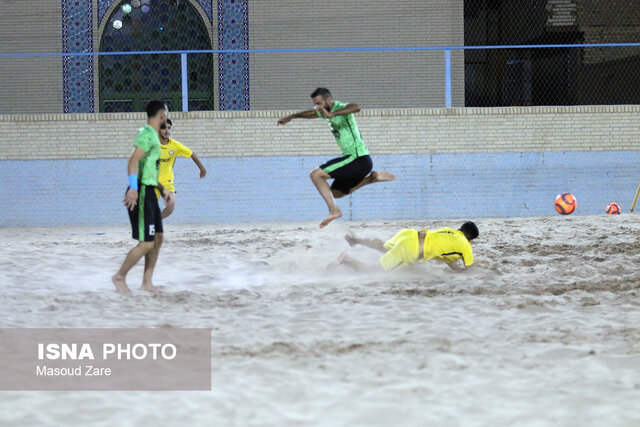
(128,82)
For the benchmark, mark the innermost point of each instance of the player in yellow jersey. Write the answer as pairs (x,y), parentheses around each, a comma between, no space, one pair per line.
(171,149)
(409,246)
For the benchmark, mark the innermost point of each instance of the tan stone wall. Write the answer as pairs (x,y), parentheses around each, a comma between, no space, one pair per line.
(373,79)
(254,133)
(30,85)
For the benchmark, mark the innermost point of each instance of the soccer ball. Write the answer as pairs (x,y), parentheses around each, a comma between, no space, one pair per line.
(614,209)
(117,24)
(566,203)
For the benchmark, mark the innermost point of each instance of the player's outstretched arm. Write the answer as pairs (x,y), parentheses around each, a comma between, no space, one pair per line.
(131,198)
(308,114)
(196,160)
(455,267)
(347,109)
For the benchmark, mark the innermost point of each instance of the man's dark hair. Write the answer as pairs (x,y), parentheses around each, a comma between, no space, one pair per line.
(470,230)
(169,122)
(154,106)
(321,91)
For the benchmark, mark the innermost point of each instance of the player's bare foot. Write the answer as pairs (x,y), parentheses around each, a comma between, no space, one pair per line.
(351,239)
(121,284)
(332,215)
(149,287)
(382,176)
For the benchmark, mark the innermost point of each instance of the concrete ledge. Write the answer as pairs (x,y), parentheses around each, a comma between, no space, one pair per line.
(402,112)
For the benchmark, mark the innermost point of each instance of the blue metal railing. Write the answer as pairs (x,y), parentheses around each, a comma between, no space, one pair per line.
(446,49)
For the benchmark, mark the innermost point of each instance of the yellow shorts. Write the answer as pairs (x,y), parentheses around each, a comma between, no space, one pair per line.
(159,195)
(402,250)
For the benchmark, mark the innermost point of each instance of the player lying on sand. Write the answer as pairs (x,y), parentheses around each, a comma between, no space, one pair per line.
(409,246)
(349,172)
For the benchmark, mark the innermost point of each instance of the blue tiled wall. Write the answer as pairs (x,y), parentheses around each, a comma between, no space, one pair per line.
(264,189)
(77,71)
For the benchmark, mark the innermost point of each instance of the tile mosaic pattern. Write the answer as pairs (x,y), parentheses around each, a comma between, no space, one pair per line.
(77,71)
(233,68)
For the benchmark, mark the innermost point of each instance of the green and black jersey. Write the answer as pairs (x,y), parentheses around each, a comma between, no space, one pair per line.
(346,132)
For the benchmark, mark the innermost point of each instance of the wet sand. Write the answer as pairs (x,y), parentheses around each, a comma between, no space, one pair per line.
(544,331)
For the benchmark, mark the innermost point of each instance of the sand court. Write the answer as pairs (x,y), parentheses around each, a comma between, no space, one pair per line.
(545,327)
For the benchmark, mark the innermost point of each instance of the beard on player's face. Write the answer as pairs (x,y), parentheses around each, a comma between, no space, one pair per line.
(322,102)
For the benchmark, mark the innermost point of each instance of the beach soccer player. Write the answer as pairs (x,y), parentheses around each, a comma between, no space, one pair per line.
(351,171)
(141,200)
(171,149)
(409,246)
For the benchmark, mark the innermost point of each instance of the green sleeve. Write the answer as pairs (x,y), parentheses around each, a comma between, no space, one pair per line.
(144,141)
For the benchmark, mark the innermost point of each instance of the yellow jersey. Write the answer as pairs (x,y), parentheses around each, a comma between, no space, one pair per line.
(444,244)
(168,156)
(448,245)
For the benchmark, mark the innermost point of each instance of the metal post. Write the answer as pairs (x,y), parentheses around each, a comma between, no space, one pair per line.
(447,78)
(185,82)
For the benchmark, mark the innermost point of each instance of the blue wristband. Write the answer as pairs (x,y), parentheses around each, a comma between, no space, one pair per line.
(133,181)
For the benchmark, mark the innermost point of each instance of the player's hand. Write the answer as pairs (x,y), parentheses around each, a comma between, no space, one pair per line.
(131,199)
(323,111)
(284,121)
(203,173)
(168,197)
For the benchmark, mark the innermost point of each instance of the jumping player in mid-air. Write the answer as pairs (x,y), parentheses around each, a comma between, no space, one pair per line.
(170,150)
(351,171)
(409,246)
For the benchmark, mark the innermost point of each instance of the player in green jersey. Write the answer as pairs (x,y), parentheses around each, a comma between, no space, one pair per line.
(353,169)
(141,200)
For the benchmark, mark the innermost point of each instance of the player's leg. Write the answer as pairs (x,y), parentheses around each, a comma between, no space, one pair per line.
(120,278)
(376,244)
(156,235)
(373,178)
(345,259)
(362,177)
(150,264)
(134,255)
(319,178)
(168,209)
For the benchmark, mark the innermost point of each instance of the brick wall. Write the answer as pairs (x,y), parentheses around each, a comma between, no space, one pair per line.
(400,131)
(471,163)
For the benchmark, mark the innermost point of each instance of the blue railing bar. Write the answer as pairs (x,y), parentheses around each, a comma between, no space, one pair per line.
(319,50)
(185,82)
(447,78)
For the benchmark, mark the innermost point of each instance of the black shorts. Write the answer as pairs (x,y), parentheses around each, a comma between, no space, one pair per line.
(347,174)
(145,217)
